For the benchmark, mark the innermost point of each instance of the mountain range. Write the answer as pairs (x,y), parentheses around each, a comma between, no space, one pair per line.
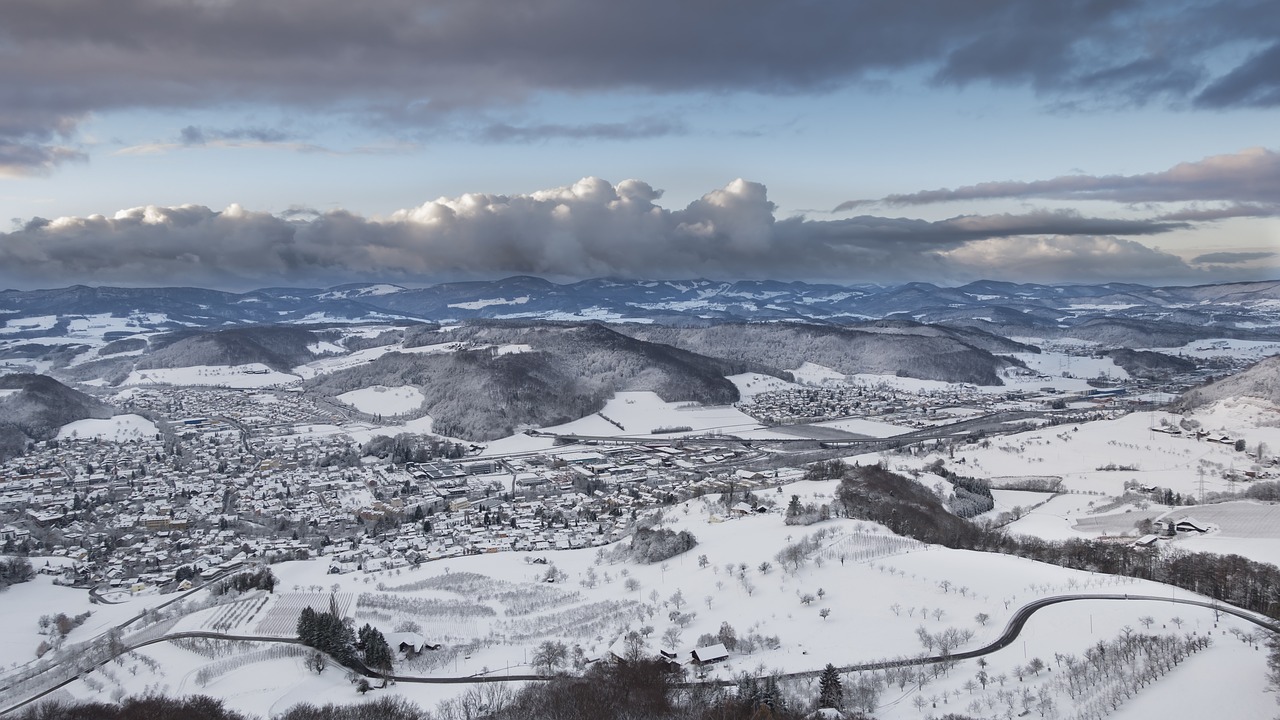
(1098,313)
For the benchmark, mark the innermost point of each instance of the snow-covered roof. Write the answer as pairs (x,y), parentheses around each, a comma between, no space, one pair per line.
(412,639)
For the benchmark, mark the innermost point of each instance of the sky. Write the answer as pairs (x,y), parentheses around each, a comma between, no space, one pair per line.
(240,143)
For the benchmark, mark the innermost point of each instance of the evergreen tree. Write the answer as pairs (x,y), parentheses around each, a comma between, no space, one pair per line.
(307,626)
(830,692)
(794,508)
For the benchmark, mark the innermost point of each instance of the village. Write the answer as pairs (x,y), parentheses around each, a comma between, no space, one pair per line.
(208,475)
(147,511)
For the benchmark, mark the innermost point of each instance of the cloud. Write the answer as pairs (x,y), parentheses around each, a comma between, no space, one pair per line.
(1254,83)
(19,158)
(588,229)
(1231,258)
(1249,176)
(192,135)
(642,128)
(1083,259)
(410,62)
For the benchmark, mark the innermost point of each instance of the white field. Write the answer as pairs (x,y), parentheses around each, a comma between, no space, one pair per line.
(1075,452)
(814,374)
(120,428)
(641,412)
(752,384)
(382,400)
(1243,349)
(1054,364)
(231,376)
(864,624)
(862,426)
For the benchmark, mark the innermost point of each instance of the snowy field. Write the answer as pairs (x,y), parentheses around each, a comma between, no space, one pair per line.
(120,428)
(640,413)
(752,384)
(1241,349)
(1100,456)
(252,375)
(382,400)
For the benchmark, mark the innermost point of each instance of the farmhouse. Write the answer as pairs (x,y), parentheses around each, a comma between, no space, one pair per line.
(710,654)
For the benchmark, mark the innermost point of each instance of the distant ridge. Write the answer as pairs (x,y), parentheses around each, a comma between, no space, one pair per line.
(1099,313)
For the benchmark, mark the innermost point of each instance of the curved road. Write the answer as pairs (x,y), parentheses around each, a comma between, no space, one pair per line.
(1011,632)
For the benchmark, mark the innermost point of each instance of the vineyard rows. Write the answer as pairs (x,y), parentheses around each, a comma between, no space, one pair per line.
(233,615)
(222,667)
(864,547)
(281,619)
(516,598)
(582,621)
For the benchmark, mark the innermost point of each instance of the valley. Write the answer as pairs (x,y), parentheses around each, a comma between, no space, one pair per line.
(883,497)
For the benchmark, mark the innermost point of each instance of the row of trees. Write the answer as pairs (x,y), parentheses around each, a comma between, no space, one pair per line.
(260,579)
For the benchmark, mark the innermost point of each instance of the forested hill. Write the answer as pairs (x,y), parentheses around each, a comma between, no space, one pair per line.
(524,375)
(34,407)
(279,347)
(883,350)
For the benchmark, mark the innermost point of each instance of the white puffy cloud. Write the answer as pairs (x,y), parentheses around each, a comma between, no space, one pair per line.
(587,229)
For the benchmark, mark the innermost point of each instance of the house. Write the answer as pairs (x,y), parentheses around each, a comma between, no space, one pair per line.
(710,654)
(1188,524)
(409,643)
(1169,526)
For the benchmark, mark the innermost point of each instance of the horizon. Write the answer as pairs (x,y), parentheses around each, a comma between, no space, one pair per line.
(565,283)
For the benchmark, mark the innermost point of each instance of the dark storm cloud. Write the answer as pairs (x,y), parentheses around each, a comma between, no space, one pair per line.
(1231,258)
(592,228)
(411,61)
(1250,176)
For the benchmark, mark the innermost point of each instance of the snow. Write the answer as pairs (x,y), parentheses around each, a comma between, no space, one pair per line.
(382,400)
(42,322)
(1078,453)
(482,304)
(1053,366)
(814,374)
(752,384)
(368,291)
(1241,349)
(252,375)
(639,413)
(862,426)
(6,392)
(120,428)
(1198,687)
(879,589)
(326,348)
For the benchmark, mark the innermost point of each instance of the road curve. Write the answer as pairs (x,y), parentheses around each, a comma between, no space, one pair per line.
(1011,632)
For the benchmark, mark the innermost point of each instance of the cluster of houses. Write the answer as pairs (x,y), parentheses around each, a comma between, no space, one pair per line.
(141,512)
(909,408)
